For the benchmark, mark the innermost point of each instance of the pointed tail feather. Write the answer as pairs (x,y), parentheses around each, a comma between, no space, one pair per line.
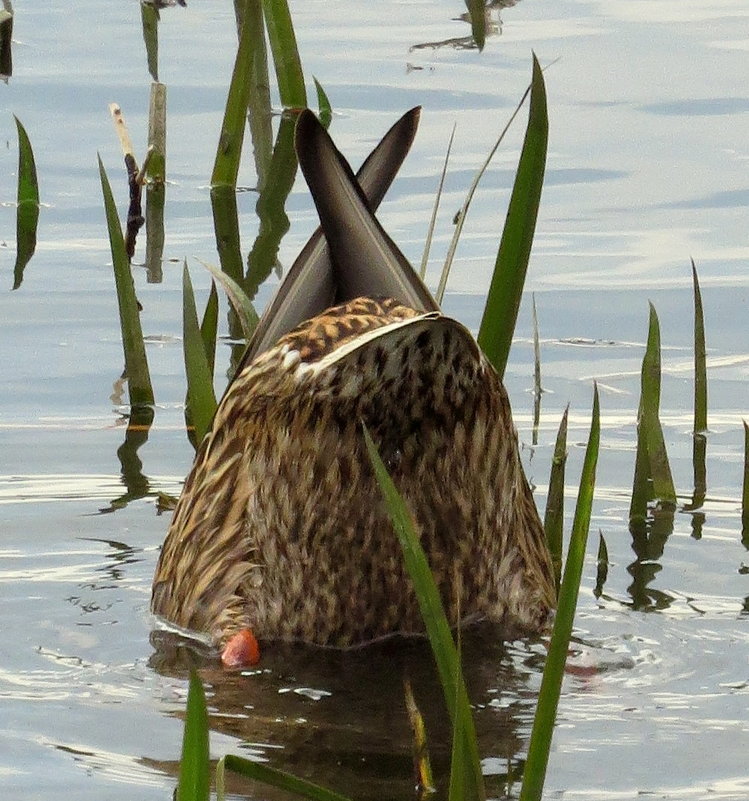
(366,260)
(309,287)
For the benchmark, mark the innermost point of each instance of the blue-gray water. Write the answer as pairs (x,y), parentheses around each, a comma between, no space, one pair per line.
(648,166)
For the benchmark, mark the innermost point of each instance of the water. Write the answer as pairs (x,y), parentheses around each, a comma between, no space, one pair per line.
(648,165)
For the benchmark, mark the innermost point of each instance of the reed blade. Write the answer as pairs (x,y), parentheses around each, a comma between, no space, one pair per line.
(602,565)
(554,516)
(156,187)
(700,359)
(241,303)
(477,13)
(201,400)
(209,328)
(324,109)
(194,768)
(259,106)
(149,17)
(463,213)
(551,684)
(229,150)
(136,363)
(27,209)
(699,444)
(660,469)
(439,294)
(285,54)
(438,630)
(506,289)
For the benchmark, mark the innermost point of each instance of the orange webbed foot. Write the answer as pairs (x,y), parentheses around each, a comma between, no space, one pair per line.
(241,650)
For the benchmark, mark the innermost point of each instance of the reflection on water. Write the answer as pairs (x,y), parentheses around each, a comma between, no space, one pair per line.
(493,28)
(136,435)
(340,718)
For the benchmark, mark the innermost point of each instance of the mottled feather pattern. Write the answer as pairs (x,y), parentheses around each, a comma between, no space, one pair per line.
(281,526)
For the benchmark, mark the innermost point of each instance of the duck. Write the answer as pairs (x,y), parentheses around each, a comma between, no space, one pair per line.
(281,532)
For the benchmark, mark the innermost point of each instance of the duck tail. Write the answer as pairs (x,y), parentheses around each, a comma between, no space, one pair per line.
(366,261)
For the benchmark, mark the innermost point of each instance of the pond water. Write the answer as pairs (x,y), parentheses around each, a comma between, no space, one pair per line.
(648,166)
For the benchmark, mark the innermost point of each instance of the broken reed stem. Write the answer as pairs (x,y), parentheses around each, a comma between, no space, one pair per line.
(135,178)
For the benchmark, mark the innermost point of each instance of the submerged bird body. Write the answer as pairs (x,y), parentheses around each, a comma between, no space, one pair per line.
(281,528)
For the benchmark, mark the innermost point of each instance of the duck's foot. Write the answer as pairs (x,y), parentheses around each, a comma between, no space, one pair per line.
(241,650)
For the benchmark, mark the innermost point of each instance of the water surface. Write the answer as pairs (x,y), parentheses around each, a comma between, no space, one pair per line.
(648,166)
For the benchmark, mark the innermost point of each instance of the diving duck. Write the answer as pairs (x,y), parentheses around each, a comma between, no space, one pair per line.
(281,531)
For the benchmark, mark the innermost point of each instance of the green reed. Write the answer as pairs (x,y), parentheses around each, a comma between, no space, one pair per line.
(652,478)
(194,783)
(136,362)
(539,747)
(554,516)
(506,288)
(149,16)
(466,779)
(699,433)
(201,400)
(27,208)
(477,13)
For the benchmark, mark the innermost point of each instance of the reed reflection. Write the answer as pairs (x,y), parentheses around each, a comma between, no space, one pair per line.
(339,717)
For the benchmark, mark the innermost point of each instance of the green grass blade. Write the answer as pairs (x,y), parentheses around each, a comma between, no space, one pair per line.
(229,150)
(194,767)
(242,305)
(149,16)
(602,565)
(554,516)
(699,444)
(285,54)
(660,470)
(201,401)
(477,12)
(259,108)
(136,362)
(437,626)
(27,213)
(462,776)
(503,300)
(433,220)
(551,684)
(462,214)
(700,359)
(281,780)
(325,111)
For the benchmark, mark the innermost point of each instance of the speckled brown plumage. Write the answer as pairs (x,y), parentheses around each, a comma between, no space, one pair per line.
(281,527)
